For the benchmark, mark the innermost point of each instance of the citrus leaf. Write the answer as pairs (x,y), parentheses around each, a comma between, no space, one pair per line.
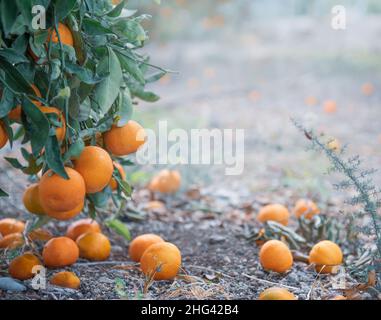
(8,14)
(107,90)
(83,74)
(131,66)
(36,125)
(6,102)
(3,193)
(117,10)
(125,109)
(63,8)
(119,227)
(13,79)
(124,185)
(75,150)
(53,156)
(13,56)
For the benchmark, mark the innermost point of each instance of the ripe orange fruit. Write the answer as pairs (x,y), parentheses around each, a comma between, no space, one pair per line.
(326,256)
(121,141)
(113,184)
(9,225)
(40,235)
(15,113)
(276,293)
(334,145)
(367,89)
(58,195)
(141,244)
(60,252)
(274,212)
(31,200)
(94,246)
(95,166)
(275,256)
(65,279)
(66,215)
(306,208)
(60,131)
(82,226)
(154,205)
(21,267)
(12,241)
(161,261)
(330,106)
(65,34)
(3,135)
(166,181)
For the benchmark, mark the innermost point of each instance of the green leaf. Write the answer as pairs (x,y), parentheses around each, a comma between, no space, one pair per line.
(131,66)
(53,156)
(83,74)
(93,27)
(119,227)
(13,56)
(156,76)
(13,79)
(8,15)
(124,186)
(15,163)
(25,6)
(74,150)
(7,102)
(100,199)
(144,95)
(63,8)
(107,90)
(125,109)
(36,125)
(117,10)
(3,193)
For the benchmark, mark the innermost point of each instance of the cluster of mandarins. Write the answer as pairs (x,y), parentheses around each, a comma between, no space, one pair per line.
(275,255)
(159,260)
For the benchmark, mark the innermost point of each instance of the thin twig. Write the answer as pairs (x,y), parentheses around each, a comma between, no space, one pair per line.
(270,282)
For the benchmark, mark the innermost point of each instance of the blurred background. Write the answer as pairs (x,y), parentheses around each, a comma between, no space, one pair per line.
(254,64)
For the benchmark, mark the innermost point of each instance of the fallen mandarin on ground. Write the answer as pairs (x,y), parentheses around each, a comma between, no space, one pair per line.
(94,246)
(21,267)
(276,293)
(60,252)
(306,208)
(140,244)
(10,225)
(274,212)
(276,256)
(66,279)
(161,261)
(166,181)
(326,256)
(79,227)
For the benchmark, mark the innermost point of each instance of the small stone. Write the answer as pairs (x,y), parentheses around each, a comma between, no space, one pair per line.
(9,284)
(216,239)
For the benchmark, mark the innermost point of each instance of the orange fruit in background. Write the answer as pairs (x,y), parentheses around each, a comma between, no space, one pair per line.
(113,184)
(3,135)
(161,261)
(142,243)
(60,252)
(66,215)
(275,256)
(15,113)
(95,166)
(166,181)
(276,293)
(21,267)
(60,195)
(65,34)
(65,279)
(10,225)
(94,246)
(367,89)
(339,297)
(274,212)
(154,205)
(306,208)
(82,226)
(329,106)
(311,101)
(12,241)
(334,145)
(60,131)
(40,235)
(31,200)
(121,141)
(326,256)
